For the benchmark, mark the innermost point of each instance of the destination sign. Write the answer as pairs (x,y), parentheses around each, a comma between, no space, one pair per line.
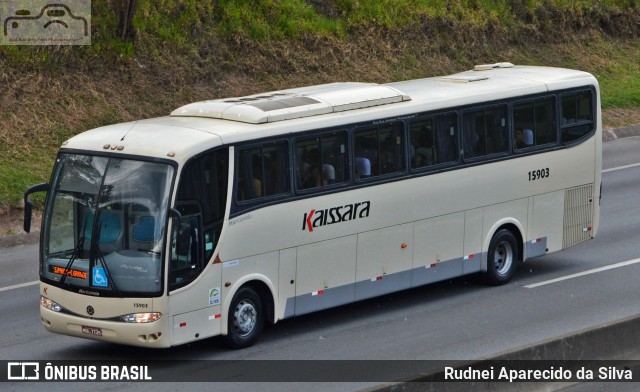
(69,272)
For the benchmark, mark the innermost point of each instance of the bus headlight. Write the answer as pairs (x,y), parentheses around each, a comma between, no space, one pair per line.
(49,304)
(141,317)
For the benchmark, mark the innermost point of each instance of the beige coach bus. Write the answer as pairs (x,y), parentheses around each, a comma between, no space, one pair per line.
(234,212)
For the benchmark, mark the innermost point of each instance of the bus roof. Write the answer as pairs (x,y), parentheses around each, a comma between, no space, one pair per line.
(202,125)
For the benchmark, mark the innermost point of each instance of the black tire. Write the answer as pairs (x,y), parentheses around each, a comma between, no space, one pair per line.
(503,258)
(246,319)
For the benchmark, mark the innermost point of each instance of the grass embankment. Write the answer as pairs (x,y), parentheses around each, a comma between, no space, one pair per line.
(185,51)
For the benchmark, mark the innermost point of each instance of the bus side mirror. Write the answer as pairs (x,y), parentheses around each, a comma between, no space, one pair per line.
(28,207)
(28,204)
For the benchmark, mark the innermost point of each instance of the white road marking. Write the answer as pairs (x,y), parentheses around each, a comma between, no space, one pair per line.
(588,272)
(17,286)
(620,167)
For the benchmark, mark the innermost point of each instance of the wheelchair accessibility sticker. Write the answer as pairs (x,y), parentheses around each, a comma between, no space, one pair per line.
(99,277)
(45,22)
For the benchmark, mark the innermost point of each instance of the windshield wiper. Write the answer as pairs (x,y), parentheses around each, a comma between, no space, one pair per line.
(110,281)
(61,254)
(74,255)
(95,245)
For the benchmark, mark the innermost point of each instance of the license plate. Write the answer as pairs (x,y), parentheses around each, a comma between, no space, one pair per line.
(92,331)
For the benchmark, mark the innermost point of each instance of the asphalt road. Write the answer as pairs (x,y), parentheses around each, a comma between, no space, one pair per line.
(457,319)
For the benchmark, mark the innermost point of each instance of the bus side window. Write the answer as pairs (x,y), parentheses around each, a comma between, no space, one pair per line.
(545,122)
(485,132)
(276,168)
(577,115)
(321,160)
(446,138)
(534,123)
(421,145)
(433,141)
(383,147)
(250,183)
(366,150)
(263,171)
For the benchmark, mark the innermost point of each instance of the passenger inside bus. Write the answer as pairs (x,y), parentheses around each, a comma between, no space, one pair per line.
(518,141)
(527,137)
(313,177)
(418,160)
(523,138)
(386,164)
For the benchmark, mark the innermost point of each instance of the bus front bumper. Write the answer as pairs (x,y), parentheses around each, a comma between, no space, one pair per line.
(152,335)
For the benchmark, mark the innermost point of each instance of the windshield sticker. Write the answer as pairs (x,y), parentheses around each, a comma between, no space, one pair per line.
(214,296)
(99,277)
(231,263)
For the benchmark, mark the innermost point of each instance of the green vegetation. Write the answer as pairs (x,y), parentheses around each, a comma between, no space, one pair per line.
(188,50)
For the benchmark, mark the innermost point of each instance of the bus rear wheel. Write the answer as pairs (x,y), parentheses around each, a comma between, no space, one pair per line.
(246,318)
(502,259)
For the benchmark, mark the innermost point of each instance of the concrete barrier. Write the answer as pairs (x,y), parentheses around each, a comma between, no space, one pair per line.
(20,239)
(614,341)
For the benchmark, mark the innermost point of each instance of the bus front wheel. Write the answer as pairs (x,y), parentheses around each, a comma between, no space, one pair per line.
(246,318)
(502,259)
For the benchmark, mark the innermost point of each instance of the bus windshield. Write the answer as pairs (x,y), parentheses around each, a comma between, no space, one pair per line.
(104,227)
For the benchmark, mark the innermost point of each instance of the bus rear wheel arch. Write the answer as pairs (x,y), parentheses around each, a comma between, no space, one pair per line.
(503,257)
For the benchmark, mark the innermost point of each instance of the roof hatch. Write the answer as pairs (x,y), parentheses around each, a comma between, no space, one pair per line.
(486,67)
(463,78)
(294,103)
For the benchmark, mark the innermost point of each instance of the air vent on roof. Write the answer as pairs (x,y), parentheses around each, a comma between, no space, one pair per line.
(486,67)
(295,103)
(463,78)
(245,99)
(275,104)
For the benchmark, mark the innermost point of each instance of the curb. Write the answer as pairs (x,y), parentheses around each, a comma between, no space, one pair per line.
(11,241)
(618,340)
(619,133)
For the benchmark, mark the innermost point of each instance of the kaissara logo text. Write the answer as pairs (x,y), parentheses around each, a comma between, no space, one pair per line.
(329,216)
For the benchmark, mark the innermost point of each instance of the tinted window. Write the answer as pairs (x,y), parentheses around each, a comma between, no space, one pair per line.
(263,171)
(577,115)
(433,141)
(534,123)
(485,132)
(321,160)
(378,151)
